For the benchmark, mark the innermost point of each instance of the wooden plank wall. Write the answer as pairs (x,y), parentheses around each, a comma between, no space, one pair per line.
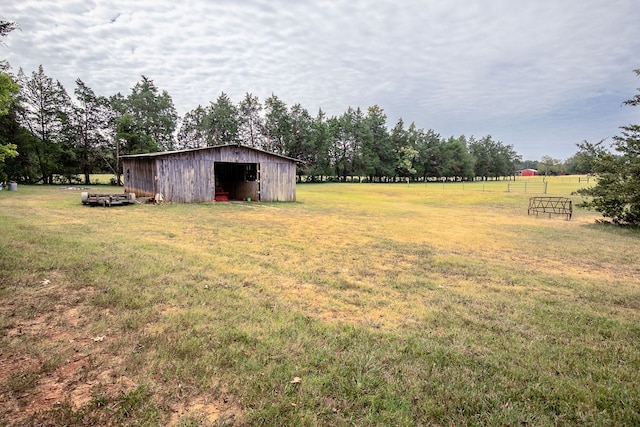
(278,182)
(139,176)
(186,178)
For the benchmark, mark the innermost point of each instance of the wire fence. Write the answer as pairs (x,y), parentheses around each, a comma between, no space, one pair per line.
(527,187)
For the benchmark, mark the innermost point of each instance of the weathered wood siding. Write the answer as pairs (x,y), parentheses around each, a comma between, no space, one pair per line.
(139,176)
(278,182)
(189,176)
(186,178)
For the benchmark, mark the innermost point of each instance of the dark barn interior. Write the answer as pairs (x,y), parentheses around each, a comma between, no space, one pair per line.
(236,181)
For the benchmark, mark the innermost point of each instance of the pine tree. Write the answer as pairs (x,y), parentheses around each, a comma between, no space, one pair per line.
(45,109)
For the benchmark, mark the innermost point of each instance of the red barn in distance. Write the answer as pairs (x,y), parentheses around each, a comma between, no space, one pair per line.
(528,172)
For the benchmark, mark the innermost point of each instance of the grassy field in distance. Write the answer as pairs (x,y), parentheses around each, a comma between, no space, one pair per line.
(360,304)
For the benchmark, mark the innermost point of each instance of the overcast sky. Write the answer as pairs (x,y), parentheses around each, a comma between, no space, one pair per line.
(541,75)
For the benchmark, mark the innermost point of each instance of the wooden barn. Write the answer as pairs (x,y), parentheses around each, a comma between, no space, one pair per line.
(224,172)
(528,172)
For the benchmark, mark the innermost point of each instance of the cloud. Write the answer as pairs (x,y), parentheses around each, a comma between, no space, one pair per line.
(533,74)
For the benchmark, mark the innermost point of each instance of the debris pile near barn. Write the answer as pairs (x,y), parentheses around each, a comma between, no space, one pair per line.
(107,200)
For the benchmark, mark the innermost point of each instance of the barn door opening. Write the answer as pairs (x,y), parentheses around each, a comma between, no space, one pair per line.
(236,181)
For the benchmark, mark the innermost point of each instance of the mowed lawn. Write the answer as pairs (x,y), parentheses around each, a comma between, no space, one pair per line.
(360,304)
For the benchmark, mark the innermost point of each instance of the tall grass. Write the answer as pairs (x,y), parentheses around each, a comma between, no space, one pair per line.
(361,304)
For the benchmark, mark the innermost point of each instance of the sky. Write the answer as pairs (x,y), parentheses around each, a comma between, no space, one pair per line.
(540,75)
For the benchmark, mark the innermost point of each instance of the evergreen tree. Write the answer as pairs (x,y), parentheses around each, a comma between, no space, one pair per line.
(250,122)
(320,141)
(456,160)
(429,155)
(221,122)
(342,146)
(192,133)
(277,125)
(362,161)
(379,156)
(147,119)
(299,144)
(617,191)
(5,28)
(44,111)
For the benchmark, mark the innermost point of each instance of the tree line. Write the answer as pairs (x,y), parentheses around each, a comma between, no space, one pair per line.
(58,136)
(46,134)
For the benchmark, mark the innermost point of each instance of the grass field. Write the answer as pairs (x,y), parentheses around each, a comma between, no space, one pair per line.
(360,304)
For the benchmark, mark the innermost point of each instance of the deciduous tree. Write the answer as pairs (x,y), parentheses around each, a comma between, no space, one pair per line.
(8,91)
(91,119)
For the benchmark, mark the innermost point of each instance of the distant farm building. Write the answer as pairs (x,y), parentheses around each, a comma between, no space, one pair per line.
(528,172)
(225,172)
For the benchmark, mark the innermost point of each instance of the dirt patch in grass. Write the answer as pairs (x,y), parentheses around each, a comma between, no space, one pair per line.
(58,363)
(52,353)
(207,410)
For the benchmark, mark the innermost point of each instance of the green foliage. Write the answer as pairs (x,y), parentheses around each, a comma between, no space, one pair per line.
(250,123)
(298,142)
(617,192)
(492,158)
(582,162)
(8,151)
(91,120)
(318,161)
(221,122)
(382,154)
(45,110)
(146,119)
(89,134)
(277,125)
(8,90)
(549,166)
(457,161)
(192,130)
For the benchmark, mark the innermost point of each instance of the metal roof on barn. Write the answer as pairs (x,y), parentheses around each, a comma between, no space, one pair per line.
(212,147)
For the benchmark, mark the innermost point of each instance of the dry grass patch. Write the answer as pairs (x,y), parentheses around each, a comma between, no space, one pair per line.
(360,304)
